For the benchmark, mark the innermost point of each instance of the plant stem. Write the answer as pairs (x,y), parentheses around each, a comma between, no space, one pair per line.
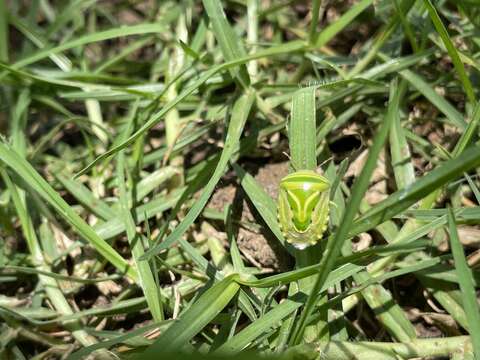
(421,348)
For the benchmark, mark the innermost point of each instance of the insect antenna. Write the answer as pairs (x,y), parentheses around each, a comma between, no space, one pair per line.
(292,164)
(325,161)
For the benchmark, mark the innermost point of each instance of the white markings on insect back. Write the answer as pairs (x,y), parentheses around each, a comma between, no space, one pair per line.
(296,200)
(306,186)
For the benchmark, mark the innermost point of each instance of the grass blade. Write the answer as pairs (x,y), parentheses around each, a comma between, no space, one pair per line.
(302,130)
(264,204)
(366,350)
(415,80)
(145,274)
(86,197)
(467,284)
(333,29)
(400,152)
(122,31)
(3,31)
(232,47)
(468,134)
(452,51)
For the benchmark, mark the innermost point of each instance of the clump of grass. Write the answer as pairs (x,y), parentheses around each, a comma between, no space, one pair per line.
(119,123)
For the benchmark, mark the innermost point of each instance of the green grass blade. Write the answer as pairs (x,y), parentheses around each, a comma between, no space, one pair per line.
(400,152)
(312,34)
(452,51)
(59,59)
(415,80)
(473,187)
(465,277)
(469,133)
(232,47)
(387,310)
(3,31)
(146,278)
(124,53)
(265,205)
(384,34)
(156,206)
(122,31)
(341,273)
(450,299)
(441,103)
(85,197)
(27,270)
(153,181)
(74,9)
(402,15)
(302,130)
(123,338)
(333,29)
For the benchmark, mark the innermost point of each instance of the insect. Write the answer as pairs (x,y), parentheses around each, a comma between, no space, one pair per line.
(303,207)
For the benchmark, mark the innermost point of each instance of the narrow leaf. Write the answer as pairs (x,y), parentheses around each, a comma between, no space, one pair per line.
(230,43)
(452,51)
(467,284)
(302,130)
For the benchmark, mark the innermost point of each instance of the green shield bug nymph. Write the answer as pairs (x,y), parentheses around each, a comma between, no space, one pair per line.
(303,206)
